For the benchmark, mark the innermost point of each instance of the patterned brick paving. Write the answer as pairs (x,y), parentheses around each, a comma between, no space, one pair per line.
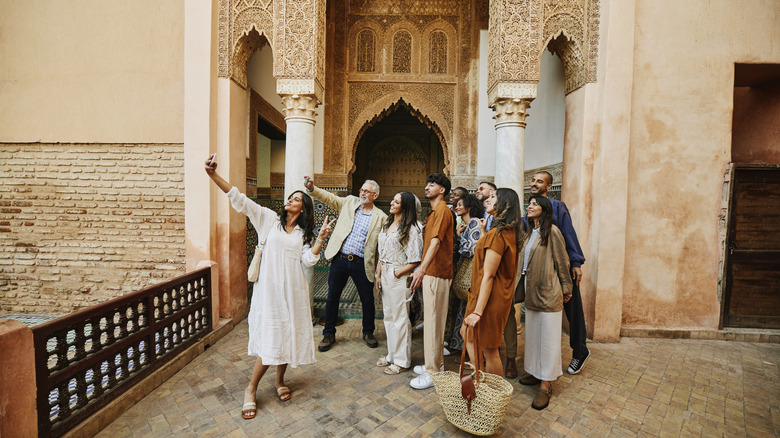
(638,387)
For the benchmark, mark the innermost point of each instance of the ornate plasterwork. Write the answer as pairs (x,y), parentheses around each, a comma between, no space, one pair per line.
(511,111)
(241,24)
(369,103)
(369,99)
(300,107)
(404,7)
(444,99)
(295,29)
(521,29)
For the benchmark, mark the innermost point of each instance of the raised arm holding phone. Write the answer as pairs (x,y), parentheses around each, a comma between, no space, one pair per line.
(280,330)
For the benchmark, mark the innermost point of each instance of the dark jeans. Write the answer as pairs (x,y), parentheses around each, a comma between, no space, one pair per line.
(577,333)
(341,270)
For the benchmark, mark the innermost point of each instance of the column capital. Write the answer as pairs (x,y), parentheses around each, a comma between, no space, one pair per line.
(301,107)
(511,111)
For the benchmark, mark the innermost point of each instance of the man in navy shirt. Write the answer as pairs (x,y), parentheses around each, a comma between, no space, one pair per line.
(540,184)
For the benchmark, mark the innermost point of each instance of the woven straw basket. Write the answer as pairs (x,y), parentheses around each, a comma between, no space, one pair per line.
(487,408)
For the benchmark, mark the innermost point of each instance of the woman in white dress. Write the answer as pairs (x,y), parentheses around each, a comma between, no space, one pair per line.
(400,251)
(280,329)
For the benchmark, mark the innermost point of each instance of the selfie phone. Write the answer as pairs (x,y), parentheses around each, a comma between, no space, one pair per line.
(213,157)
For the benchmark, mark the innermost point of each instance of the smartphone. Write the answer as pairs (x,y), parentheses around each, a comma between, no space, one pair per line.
(213,157)
(306,180)
(408,281)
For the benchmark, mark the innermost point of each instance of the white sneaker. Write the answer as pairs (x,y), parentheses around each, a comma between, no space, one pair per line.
(420,326)
(420,369)
(423,381)
(447,352)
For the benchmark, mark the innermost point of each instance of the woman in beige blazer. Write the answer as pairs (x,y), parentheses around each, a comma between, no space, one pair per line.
(544,284)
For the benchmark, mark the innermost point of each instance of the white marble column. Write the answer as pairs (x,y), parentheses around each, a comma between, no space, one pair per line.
(510,142)
(299,112)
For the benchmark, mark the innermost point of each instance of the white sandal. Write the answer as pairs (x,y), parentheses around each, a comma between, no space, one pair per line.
(382,362)
(394,369)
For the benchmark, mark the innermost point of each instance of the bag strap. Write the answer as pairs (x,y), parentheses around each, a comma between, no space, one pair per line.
(468,388)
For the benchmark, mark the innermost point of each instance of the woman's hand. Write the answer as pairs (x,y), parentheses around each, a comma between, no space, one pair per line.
(483,225)
(461,229)
(378,282)
(472,319)
(566,298)
(395,274)
(326,228)
(210,165)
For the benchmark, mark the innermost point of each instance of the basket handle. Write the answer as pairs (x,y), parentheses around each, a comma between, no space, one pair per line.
(468,388)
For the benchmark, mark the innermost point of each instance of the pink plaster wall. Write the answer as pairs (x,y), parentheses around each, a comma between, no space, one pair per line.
(679,149)
(756,126)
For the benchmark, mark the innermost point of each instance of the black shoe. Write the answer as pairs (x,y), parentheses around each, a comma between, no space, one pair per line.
(528,380)
(326,342)
(370,340)
(576,364)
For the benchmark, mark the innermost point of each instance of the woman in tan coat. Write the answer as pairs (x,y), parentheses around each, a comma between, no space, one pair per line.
(545,284)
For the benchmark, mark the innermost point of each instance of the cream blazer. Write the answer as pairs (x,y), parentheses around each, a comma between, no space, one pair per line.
(346,207)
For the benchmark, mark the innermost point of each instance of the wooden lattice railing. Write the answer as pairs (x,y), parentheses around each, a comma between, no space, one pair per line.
(88,358)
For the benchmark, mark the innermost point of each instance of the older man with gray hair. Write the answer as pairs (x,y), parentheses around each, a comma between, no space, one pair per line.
(352,251)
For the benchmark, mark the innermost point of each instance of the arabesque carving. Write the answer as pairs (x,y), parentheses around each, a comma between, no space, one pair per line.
(403,7)
(238,20)
(295,29)
(521,29)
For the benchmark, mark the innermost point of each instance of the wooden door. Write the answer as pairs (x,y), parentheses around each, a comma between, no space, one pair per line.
(752,293)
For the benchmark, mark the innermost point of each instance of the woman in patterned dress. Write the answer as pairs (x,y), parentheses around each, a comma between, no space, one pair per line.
(469,210)
(280,329)
(400,251)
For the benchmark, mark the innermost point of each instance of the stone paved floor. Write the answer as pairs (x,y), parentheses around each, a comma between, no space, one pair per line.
(638,387)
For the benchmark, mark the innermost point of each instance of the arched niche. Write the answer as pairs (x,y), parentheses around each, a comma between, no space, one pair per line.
(418,106)
(250,42)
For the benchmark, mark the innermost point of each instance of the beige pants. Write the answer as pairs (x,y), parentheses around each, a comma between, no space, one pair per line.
(436,293)
(395,306)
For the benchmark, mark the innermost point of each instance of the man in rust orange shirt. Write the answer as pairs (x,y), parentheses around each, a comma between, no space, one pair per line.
(435,276)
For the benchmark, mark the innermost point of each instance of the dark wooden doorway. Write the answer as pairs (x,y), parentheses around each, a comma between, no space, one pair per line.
(398,151)
(752,292)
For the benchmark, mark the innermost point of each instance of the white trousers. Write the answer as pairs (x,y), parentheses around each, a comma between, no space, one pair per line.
(395,306)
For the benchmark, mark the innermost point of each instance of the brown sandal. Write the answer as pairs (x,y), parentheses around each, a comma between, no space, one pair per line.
(542,399)
(284,393)
(249,410)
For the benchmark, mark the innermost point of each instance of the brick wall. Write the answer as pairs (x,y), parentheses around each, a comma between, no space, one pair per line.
(84,223)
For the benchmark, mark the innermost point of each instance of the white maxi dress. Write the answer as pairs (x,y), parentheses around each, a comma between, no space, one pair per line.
(280,329)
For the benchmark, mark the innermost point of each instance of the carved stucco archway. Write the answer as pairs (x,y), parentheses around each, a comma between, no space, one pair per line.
(519,33)
(418,106)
